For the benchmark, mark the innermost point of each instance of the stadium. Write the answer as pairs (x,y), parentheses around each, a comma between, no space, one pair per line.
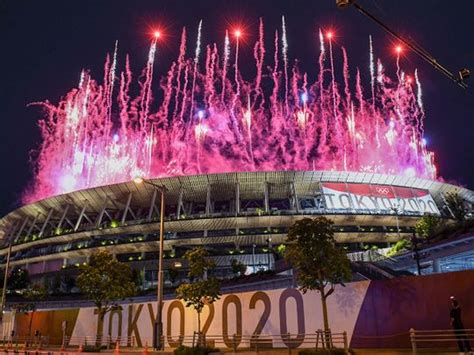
(239,164)
(243,216)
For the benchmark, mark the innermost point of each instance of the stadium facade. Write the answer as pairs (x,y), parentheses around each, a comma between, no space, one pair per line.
(242,216)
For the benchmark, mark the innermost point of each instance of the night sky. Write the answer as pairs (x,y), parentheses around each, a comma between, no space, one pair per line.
(45,44)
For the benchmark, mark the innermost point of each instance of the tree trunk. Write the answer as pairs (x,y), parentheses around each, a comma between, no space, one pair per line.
(325,318)
(199,322)
(200,339)
(31,323)
(100,327)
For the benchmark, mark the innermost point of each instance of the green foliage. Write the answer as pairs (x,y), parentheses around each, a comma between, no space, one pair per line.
(18,280)
(198,262)
(238,268)
(281,249)
(199,293)
(455,204)
(318,262)
(427,226)
(279,252)
(313,253)
(400,246)
(34,294)
(105,280)
(201,290)
(185,350)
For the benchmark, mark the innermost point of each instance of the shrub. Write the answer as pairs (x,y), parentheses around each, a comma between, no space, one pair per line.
(185,350)
(400,246)
(92,348)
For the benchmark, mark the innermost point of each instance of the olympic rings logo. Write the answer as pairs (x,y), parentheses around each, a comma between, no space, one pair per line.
(382,190)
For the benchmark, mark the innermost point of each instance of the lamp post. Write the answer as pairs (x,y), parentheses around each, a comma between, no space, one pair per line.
(396,209)
(269,246)
(5,278)
(158,325)
(253,257)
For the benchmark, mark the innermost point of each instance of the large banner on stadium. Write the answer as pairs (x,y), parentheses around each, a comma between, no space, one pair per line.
(378,198)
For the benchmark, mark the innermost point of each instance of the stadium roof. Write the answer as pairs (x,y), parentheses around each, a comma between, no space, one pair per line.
(129,199)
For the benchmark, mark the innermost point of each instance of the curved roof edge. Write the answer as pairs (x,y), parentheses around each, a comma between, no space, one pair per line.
(116,195)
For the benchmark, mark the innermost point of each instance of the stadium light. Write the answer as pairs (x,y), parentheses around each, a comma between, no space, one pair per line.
(158,325)
(138,180)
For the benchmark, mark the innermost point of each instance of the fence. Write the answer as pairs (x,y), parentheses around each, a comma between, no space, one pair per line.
(443,338)
(318,340)
(15,342)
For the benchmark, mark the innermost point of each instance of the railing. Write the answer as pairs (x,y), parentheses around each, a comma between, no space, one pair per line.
(104,341)
(15,342)
(370,256)
(441,338)
(171,218)
(256,343)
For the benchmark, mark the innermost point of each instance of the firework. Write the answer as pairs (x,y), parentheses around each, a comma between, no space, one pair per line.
(207,121)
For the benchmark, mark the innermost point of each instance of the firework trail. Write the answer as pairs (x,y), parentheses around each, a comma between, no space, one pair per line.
(111,80)
(398,66)
(146,92)
(372,85)
(333,81)
(236,66)
(284,51)
(225,63)
(124,97)
(259,54)
(274,97)
(195,70)
(211,61)
(181,64)
(372,70)
(322,52)
(419,100)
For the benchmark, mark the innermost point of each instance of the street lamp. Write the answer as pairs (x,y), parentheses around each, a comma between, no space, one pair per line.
(158,326)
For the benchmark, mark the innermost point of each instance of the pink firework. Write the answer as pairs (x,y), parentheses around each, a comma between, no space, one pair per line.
(210,120)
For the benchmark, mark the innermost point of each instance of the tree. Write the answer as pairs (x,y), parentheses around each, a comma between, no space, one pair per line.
(426,226)
(202,289)
(455,205)
(104,280)
(238,268)
(320,265)
(34,294)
